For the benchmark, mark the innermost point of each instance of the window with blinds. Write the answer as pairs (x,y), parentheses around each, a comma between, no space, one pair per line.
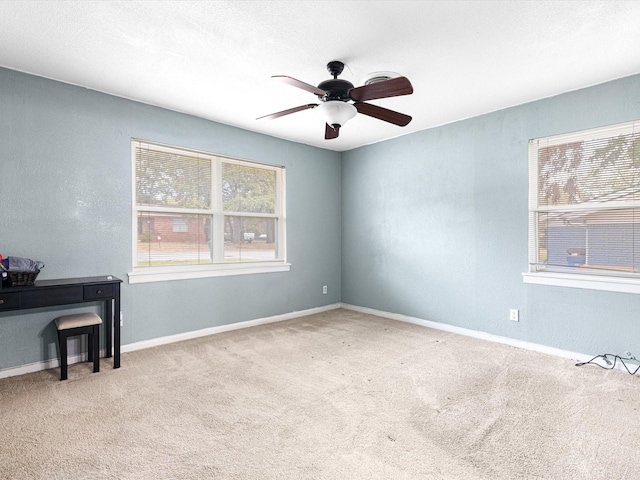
(584,202)
(200,210)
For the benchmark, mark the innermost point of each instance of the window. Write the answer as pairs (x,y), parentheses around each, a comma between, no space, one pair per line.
(584,208)
(180,224)
(198,214)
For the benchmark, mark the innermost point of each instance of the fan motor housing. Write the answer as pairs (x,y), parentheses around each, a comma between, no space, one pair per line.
(336,89)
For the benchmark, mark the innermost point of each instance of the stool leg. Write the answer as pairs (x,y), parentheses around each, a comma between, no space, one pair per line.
(90,347)
(95,338)
(62,343)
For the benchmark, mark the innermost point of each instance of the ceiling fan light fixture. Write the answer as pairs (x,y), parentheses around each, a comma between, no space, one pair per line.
(336,112)
(340,101)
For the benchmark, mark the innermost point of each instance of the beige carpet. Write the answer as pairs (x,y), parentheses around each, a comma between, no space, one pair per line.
(339,395)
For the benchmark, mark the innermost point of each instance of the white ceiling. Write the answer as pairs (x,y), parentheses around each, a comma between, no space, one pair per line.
(214,59)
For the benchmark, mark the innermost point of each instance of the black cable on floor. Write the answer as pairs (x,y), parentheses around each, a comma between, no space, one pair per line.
(608,362)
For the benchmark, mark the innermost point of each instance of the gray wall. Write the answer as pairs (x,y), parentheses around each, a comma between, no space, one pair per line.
(65,199)
(435,226)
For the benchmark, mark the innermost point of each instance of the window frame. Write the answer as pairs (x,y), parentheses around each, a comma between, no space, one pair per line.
(144,274)
(594,280)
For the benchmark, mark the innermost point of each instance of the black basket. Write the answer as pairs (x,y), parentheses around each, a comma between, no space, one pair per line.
(19,279)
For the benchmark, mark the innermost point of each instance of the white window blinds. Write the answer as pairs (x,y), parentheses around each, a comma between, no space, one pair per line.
(584,202)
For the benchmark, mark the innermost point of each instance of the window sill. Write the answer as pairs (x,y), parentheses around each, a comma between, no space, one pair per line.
(591,282)
(159,274)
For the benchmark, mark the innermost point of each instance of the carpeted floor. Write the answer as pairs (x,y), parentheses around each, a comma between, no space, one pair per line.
(338,395)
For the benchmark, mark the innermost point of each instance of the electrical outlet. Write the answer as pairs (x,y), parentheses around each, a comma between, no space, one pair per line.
(324,290)
(514,315)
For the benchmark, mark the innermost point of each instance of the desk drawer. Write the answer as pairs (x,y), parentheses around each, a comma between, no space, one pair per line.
(9,300)
(97,292)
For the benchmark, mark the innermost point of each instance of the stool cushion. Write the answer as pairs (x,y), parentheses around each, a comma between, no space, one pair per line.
(78,320)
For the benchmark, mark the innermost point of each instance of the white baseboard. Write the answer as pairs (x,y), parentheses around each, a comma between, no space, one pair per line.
(37,366)
(131,347)
(54,363)
(155,342)
(557,352)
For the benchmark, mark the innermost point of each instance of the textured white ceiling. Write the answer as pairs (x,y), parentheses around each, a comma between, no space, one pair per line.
(214,59)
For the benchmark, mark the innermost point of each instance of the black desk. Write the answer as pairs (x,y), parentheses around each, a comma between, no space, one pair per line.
(50,293)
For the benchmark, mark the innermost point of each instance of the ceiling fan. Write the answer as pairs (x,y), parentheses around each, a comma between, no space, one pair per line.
(336,96)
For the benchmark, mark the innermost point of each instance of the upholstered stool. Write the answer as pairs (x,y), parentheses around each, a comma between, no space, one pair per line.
(79,324)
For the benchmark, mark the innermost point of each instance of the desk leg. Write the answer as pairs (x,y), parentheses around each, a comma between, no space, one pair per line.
(108,327)
(116,326)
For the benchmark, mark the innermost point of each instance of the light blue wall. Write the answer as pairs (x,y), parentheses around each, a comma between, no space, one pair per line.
(435,227)
(431,225)
(65,199)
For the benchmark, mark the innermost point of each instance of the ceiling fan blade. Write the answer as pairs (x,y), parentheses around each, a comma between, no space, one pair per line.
(287,112)
(299,84)
(383,114)
(330,132)
(388,88)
